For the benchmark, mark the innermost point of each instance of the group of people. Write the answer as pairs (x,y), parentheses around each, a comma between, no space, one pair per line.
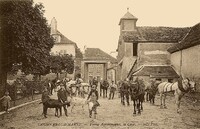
(104,86)
(125,88)
(62,94)
(63,91)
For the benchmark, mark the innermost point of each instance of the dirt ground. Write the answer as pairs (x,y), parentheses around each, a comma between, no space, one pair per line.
(111,115)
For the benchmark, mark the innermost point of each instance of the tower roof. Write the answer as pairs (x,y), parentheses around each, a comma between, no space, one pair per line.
(128,16)
(53,26)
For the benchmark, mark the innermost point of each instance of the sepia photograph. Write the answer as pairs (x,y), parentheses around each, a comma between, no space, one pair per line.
(99,64)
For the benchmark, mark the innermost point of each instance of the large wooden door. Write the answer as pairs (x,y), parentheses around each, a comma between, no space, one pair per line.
(96,70)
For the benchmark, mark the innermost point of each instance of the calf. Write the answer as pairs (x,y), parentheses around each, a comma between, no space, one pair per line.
(53,103)
(76,101)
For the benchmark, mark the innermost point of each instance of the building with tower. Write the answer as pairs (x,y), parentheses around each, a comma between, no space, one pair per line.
(63,45)
(142,51)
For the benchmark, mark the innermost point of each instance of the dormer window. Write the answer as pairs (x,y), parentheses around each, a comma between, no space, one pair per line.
(57,38)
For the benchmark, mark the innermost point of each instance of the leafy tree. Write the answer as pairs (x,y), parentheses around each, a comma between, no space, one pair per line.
(78,53)
(24,38)
(59,63)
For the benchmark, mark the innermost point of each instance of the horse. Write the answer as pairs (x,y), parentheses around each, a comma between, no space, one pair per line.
(137,93)
(104,87)
(180,88)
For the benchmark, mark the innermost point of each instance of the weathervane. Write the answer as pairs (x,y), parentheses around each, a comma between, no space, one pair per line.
(127,9)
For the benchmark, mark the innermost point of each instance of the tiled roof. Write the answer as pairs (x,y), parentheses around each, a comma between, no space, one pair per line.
(191,39)
(98,54)
(65,39)
(128,16)
(132,36)
(157,72)
(155,34)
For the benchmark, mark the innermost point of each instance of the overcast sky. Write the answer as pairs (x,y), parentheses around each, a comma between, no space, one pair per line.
(94,23)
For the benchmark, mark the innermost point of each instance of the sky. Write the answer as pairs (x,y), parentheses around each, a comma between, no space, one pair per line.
(94,23)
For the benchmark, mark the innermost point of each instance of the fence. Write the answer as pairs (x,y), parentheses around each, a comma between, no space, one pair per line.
(22,92)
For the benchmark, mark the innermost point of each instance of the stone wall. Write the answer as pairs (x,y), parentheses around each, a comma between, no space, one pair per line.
(153,54)
(190,64)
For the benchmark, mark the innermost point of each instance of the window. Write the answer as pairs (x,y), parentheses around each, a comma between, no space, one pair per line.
(135,46)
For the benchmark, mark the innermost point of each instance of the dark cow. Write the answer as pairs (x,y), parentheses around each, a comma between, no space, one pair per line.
(53,103)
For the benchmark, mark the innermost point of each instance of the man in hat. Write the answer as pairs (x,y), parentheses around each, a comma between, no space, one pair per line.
(62,96)
(113,88)
(125,91)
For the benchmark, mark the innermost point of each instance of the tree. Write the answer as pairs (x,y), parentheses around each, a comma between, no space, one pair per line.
(59,63)
(24,38)
(78,53)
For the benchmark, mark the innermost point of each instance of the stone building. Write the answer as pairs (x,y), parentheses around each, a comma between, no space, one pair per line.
(185,55)
(63,45)
(96,63)
(142,51)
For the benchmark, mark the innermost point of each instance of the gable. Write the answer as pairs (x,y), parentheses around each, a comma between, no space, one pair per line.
(156,72)
(191,39)
(97,54)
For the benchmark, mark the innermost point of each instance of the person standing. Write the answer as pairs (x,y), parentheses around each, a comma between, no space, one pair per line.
(125,91)
(78,86)
(49,85)
(95,82)
(113,88)
(62,97)
(6,101)
(93,97)
(45,99)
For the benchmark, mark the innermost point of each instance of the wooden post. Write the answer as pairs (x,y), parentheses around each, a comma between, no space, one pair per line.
(32,92)
(15,94)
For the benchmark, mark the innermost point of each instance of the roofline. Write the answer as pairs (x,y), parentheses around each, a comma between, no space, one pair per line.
(111,68)
(138,70)
(121,61)
(153,76)
(142,66)
(179,49)
(127,19)
(156,65)
(129,73)
(151,41)
(65,43)
(95,61)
